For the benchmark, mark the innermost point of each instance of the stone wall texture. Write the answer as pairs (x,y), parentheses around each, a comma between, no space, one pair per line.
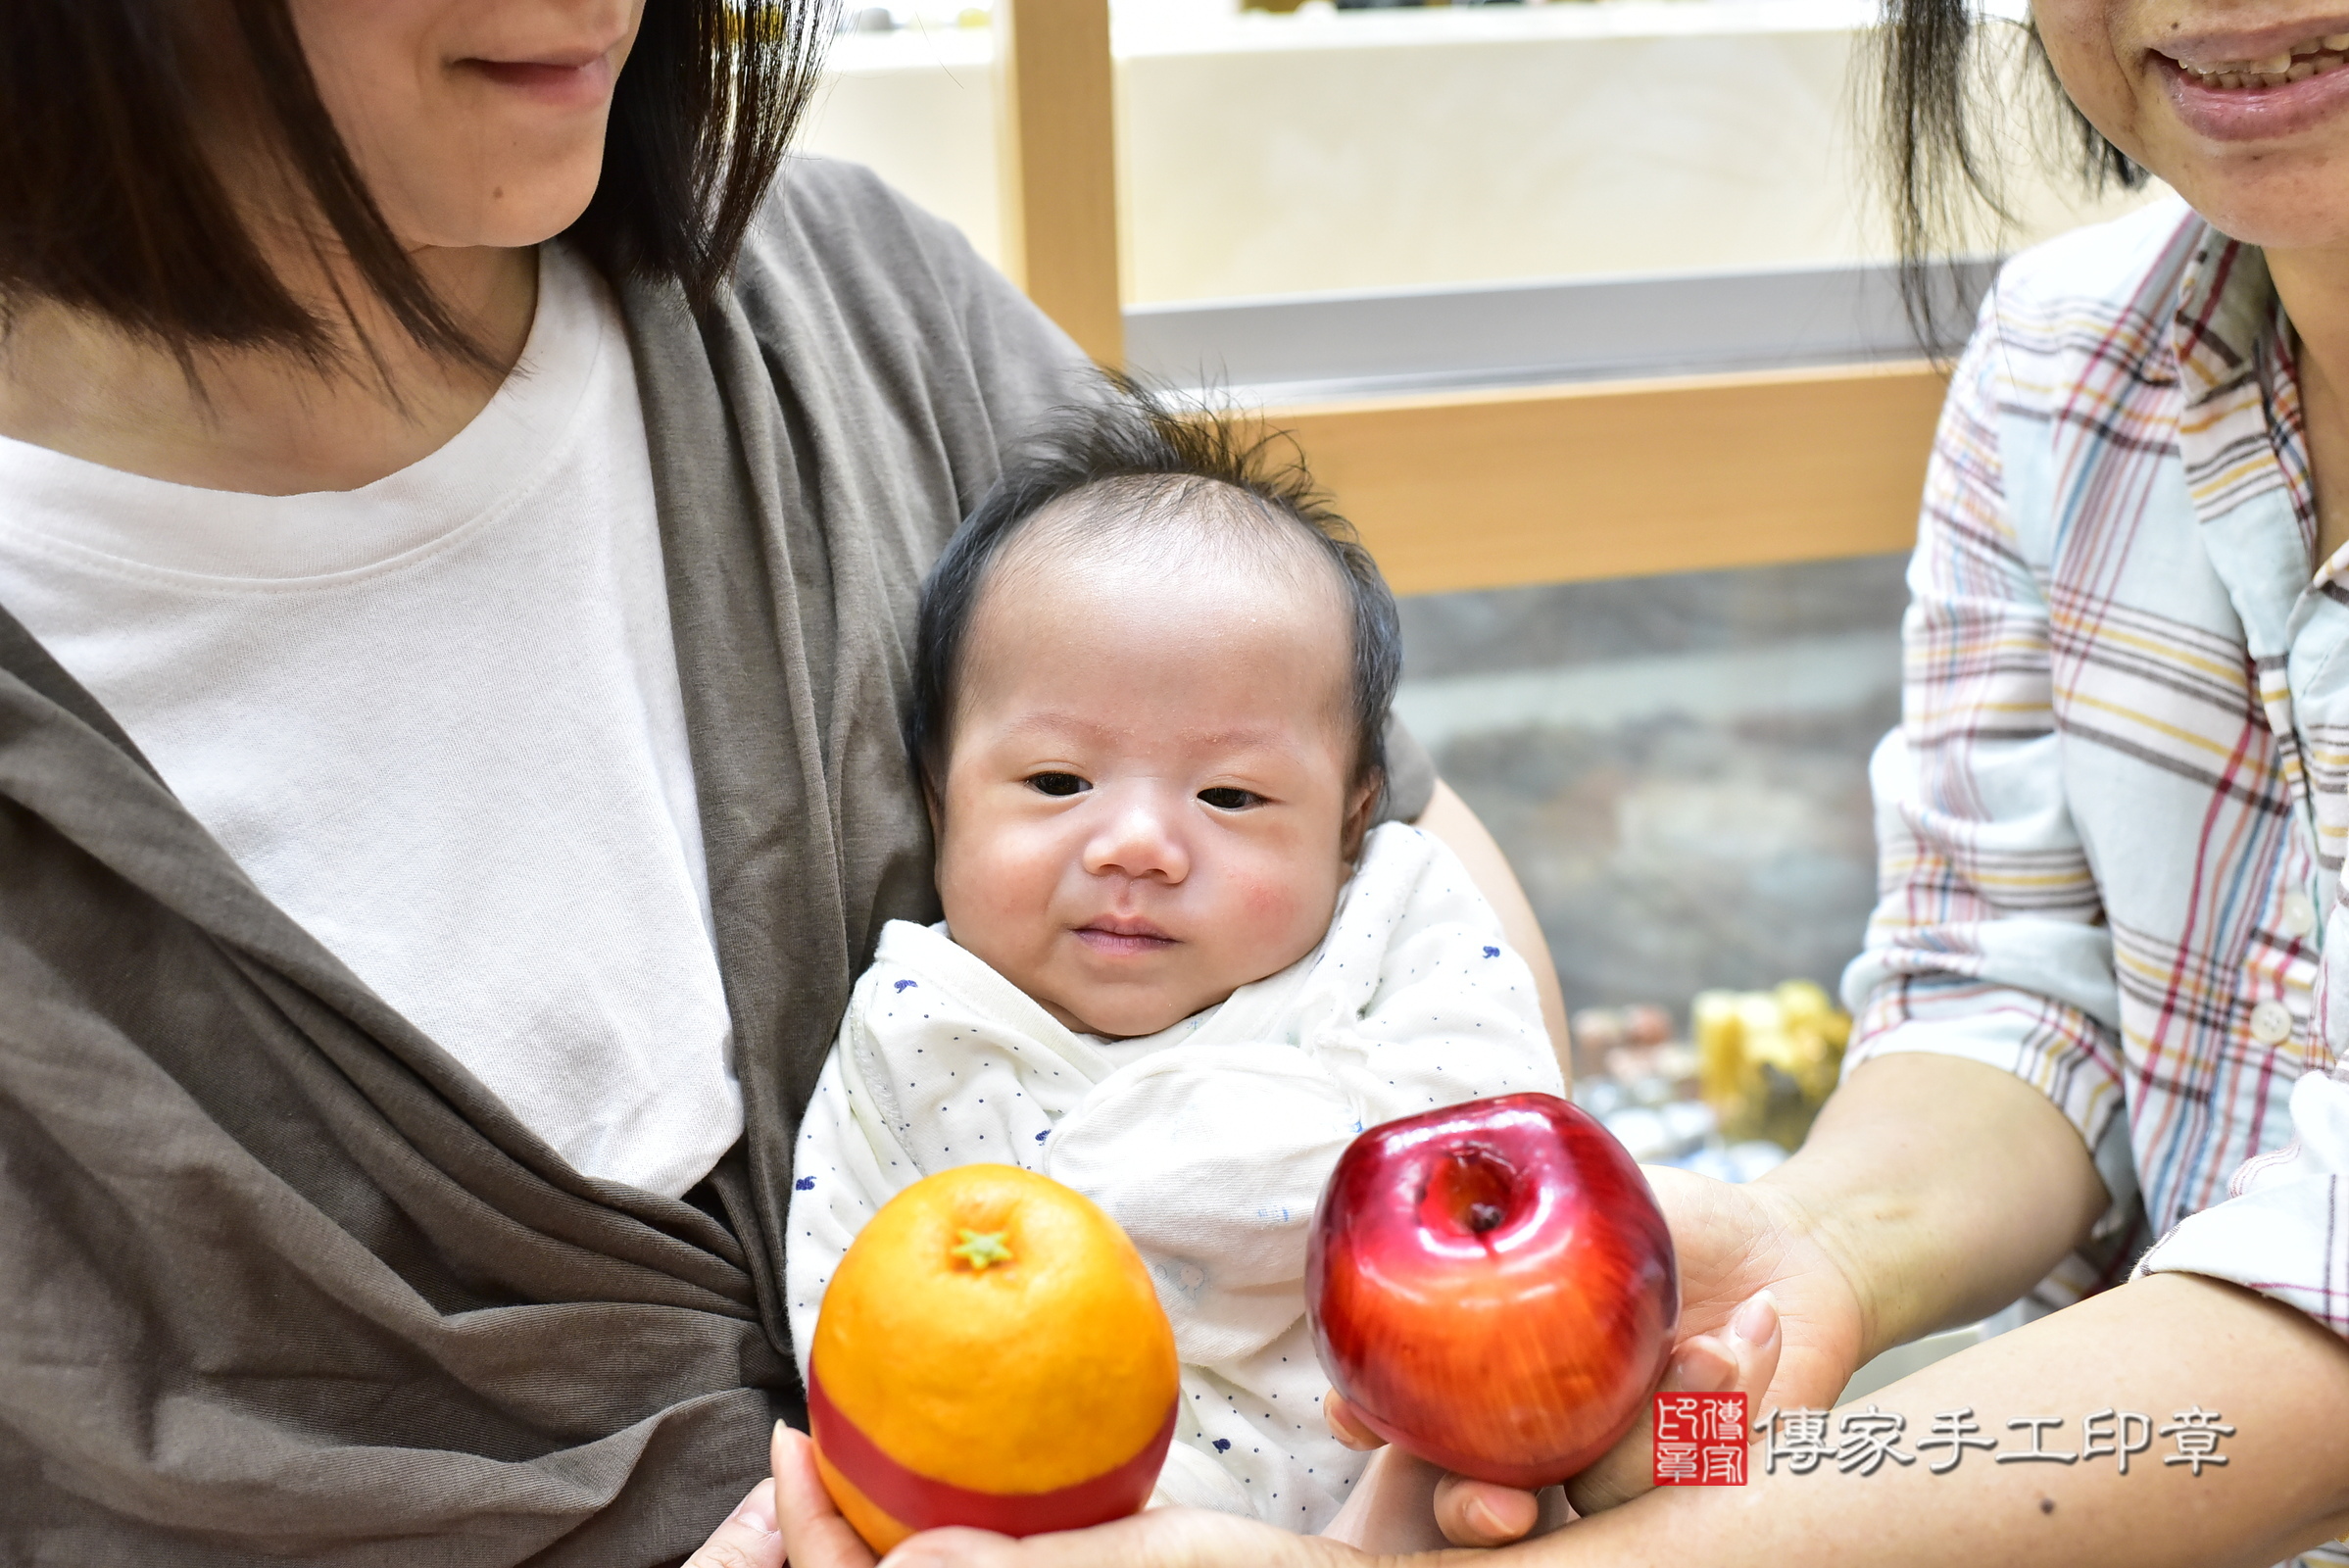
(1675,765)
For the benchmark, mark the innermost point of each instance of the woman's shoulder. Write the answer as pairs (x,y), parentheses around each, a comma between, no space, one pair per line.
(2105,291)
(885,317)
(834,241)
(847,215)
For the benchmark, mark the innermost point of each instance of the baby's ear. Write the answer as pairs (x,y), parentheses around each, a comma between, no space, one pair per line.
(1360,810)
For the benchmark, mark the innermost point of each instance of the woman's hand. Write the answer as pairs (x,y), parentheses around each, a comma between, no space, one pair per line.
(1484,1513)
(1158,1538)
(811,1533)
(1931,1190)
(1765,1311)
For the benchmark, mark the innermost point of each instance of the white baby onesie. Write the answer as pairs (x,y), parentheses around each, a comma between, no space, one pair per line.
(1208,1142)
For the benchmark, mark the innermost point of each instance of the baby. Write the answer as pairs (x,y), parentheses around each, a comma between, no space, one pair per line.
(1180,968)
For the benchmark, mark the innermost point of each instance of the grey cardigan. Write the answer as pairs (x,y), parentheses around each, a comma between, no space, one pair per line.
(277,1276)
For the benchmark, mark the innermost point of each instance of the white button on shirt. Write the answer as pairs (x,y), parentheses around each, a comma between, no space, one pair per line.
(2298,916)
(2271,1023)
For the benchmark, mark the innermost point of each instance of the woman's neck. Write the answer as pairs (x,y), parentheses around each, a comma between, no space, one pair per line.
(261,422)
(2314,286)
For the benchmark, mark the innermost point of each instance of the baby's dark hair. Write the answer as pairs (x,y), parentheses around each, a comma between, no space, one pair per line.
(1149,461)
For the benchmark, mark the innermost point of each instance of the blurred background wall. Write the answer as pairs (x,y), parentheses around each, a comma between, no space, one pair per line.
(1677,765)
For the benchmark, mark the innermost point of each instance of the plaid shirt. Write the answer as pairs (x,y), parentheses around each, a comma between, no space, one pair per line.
(2119,799)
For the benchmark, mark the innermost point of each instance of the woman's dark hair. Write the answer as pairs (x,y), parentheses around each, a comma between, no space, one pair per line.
(109,202)
(1934,71)
(1155,463)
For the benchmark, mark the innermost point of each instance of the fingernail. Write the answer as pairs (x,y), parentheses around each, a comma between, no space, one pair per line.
(1756,1320)
(1696,1368)
(757,1510)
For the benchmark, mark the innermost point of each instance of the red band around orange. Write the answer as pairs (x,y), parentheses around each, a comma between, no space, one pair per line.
(918,1503)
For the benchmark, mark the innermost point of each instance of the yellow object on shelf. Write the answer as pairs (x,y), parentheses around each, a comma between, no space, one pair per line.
(1767,1059)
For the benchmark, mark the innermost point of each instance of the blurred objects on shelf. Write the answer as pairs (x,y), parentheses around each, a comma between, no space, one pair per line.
(924,16)
(1379,5)
(1768,1059)
(1376,5)
(1600,1031)
(1730,1105)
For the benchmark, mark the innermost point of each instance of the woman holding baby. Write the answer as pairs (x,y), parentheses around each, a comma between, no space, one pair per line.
(462,518)
(452,694)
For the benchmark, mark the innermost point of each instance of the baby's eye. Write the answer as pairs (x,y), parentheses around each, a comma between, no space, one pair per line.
(1058,783)
(1225,798)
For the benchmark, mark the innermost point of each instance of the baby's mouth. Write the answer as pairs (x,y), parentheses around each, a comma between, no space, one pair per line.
(2312,57)
(1123,934)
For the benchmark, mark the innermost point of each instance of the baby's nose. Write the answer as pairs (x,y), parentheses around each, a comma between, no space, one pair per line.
(1139,837)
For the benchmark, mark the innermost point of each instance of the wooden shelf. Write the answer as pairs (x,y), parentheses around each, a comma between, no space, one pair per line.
(1628,478)
(1058,135)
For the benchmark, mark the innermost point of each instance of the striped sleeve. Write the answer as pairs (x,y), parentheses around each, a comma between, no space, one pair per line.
(2284,1232)
(1987,941)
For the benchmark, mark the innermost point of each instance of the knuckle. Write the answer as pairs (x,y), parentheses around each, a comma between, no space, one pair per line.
(718,1552)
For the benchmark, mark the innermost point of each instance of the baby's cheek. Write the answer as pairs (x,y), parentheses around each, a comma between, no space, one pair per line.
(1283,912)
(992,895)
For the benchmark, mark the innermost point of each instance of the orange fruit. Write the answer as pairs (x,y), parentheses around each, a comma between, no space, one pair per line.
(991,1354)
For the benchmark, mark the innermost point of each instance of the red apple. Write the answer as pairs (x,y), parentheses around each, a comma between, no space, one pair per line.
(1492,1286)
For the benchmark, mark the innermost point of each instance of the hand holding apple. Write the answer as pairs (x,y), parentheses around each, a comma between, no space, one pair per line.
(1736,1243)
(1492,1286)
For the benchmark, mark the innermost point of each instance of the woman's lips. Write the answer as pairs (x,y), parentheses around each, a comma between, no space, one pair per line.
(2252,114)
(560,81)
(1119,936)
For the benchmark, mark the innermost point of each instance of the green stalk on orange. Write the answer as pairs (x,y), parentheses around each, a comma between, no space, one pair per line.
(990,1352)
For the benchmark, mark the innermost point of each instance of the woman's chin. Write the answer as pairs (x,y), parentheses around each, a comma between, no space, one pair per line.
(505,209)
(2278,204)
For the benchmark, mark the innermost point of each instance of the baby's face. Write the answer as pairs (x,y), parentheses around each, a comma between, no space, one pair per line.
(1147,805)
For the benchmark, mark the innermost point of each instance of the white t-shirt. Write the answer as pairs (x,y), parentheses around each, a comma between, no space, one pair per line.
(437,719)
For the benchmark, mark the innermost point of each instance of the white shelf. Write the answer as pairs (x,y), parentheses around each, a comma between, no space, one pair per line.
(1391,150)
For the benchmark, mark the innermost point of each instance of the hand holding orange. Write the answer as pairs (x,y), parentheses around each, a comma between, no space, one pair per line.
(990,1353)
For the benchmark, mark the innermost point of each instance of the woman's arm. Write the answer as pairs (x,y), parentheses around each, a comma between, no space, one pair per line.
(1942,1190)
(1449,818)
(2155,1348)
(2158,1348)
